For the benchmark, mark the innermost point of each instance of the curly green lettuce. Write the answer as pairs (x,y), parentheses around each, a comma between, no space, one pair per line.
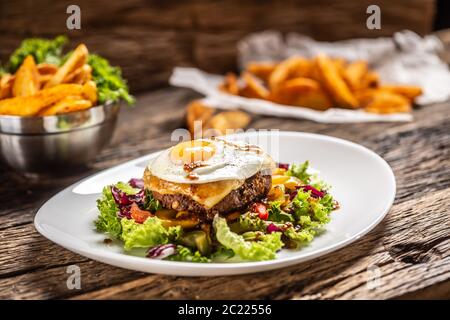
(318,209)
(151,204)
(42,50)
(108,221)
(248,222)
(127,188)
(300,171)
(185,254)
(276,214)
(264,249)
(147,234)
(111,87)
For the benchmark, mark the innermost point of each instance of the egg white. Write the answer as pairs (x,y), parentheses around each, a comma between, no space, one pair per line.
(229,162)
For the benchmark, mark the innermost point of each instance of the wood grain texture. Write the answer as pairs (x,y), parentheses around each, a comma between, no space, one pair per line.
(408,253)
(148,38)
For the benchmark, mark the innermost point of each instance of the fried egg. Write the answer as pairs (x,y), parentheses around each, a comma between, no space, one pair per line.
(208,160)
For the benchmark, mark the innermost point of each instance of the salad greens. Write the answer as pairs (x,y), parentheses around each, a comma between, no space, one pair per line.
(111,87)
(253,236)
(147,234)
(110,84)
(42,50)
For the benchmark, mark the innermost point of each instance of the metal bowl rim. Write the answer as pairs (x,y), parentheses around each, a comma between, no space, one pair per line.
(41,125)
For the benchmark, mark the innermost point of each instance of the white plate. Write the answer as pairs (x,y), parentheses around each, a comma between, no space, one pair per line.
(362,182)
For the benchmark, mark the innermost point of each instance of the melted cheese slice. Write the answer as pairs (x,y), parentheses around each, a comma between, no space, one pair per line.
(207,194)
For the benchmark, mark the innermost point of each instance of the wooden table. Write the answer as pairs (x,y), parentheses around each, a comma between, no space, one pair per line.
(406,256)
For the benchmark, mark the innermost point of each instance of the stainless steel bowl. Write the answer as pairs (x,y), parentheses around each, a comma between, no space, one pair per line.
(52,144)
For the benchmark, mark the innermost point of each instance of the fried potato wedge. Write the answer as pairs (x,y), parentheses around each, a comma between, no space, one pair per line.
(333,82)
(76,60)
(387,102)
(66,105)
(47,68)
(253,87)
(197,115)
(320,83)
(299,85)
(292,67)
(230,84)
(227,121)
(26,82)
(370,80)
(6,83)
(314,99)
(90,91)
(262,70)
(309,95)
(410,92)
(32,105)
(80,75)
(354,74)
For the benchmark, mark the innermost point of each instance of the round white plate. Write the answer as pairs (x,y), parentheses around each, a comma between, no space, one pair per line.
(361,181)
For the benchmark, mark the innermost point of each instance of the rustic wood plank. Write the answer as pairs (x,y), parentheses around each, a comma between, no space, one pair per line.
(148,38)
(413,241)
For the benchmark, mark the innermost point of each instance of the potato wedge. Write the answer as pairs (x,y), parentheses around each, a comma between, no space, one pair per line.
(230,84)
(6,83)
(370,80)
(410,92)
(77,59)
(388,102)
(262,70)
(333,82)
(314,99)
(27,79)
(227,121)
(253,88)
(354,74)
(66,105)
(47,68)
(197,115)
(292,67)
(80,75)
(90,91)
(32,105)
(302,92)
(300,85)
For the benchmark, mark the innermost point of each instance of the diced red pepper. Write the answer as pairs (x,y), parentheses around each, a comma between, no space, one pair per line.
(138,214)
(261,210)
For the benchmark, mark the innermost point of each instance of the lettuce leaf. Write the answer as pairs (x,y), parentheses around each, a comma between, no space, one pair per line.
(185,254)
(248,222)
(300,236)
(108,221)
(264,249)
(150,203)
(125,187)
(317,209)
(277,214)
(300,171)
(111,86)
(147,234)
(42,50)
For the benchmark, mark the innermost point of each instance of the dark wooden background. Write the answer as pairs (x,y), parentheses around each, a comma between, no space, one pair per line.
(148,38)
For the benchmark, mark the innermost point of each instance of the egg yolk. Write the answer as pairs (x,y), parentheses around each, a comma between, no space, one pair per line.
(192,151)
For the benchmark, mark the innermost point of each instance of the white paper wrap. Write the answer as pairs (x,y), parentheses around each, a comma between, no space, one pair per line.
(404,59)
